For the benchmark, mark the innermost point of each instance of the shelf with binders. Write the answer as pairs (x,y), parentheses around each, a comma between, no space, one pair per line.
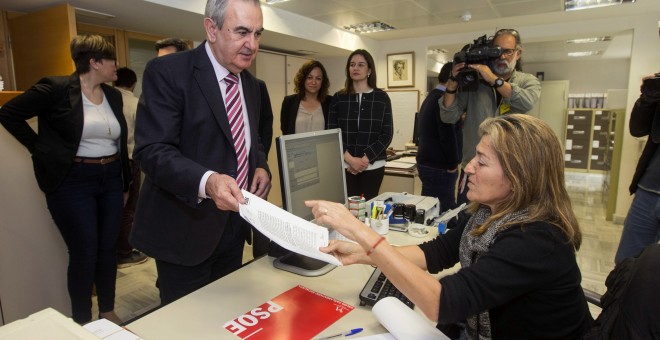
(590,135)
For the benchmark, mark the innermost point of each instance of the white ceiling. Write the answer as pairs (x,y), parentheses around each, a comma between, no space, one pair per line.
(412,18)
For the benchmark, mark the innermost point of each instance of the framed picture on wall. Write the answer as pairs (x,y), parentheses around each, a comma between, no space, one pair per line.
(401,69)
(540,75)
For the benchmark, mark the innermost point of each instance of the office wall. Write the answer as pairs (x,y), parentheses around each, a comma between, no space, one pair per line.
(586,76)
(644,60)
(33,256)
(335,69)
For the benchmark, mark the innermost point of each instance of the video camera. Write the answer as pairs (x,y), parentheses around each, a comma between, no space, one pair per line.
(479,52)
(651,88)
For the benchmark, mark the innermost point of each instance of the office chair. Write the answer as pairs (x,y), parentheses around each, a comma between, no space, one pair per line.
(631,304)
(592,297)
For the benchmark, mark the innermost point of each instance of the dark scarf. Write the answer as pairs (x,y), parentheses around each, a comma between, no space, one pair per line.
(471,249)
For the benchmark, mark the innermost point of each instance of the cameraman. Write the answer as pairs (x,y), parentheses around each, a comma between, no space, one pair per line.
(642,225)
(503,88)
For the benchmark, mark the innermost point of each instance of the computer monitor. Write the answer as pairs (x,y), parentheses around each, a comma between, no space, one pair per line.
(311,167)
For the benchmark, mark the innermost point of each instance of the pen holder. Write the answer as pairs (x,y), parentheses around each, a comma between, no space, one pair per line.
(381,226)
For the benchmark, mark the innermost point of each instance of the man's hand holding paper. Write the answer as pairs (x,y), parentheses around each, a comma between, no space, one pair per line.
(286,229)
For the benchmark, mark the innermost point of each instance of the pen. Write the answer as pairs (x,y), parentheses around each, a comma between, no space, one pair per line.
(347,333)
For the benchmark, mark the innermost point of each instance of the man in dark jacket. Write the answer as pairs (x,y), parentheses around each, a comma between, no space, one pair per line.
(439,147)
(642,225)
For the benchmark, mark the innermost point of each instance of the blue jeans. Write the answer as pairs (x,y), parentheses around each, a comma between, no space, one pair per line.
(642,225)
(439,183)
(87,210)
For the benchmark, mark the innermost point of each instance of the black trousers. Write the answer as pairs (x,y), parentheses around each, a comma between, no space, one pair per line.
(366,183)
(175,280)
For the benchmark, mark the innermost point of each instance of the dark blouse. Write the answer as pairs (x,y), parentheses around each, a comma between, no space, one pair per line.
(529,281)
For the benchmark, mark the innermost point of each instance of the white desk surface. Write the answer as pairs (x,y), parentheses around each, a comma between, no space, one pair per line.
(203,313)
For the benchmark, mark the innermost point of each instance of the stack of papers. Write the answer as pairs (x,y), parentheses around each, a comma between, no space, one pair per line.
(403,163)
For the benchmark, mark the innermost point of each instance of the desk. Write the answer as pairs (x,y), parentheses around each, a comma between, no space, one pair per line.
(401,175)
(202,314)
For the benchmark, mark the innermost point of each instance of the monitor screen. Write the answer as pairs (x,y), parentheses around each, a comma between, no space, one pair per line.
(311,168)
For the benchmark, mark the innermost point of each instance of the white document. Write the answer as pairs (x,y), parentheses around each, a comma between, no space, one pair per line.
(107,330)
(403,322)
(399,165)
(408,159)
(383,336)
(286,229)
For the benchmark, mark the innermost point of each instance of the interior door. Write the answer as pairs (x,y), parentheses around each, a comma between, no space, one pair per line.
(552,105)
(40,44)
(271,69)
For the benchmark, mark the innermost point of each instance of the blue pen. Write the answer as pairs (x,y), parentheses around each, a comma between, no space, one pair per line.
(348,333)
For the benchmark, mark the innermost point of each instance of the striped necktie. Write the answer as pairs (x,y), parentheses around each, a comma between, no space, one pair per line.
(235,115)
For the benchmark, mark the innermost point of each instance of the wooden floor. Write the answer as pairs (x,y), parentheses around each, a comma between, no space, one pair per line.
(137,293)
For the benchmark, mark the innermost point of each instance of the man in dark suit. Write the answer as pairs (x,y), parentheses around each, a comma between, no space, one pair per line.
(187,213)
(439,147)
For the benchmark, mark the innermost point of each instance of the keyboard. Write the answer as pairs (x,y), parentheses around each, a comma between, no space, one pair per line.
(378,287)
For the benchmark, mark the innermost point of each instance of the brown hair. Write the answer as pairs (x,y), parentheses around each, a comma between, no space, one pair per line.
(302,74)
(371,80)
(532,160)
(87,47)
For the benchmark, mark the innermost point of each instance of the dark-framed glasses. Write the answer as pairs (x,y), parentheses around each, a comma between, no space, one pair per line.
(507,52)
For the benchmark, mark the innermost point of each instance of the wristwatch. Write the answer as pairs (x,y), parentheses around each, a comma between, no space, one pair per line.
(498,82)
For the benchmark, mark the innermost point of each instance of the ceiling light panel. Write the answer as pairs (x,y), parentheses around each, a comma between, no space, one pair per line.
(369,27)
(584,54)
(572,5)
(589,40)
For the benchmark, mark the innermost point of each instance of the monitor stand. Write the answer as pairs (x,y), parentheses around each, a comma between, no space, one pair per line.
(302,265)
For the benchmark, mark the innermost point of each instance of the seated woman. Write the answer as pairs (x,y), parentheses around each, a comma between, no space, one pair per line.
(519,278)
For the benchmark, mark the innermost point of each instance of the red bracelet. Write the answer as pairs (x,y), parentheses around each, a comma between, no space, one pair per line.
(375,245)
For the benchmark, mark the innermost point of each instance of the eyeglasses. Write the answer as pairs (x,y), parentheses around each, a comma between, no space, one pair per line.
(507,52)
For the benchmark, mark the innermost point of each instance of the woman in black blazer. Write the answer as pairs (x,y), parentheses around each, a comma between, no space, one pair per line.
(81,164)
(307,109)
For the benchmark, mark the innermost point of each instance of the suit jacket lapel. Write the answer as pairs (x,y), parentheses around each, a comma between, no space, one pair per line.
(75,100)
(210,88)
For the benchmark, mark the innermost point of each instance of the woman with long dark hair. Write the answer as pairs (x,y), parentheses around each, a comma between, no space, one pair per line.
(364,114)
(307,109)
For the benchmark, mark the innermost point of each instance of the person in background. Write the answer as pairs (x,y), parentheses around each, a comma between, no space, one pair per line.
(307,109)
(126,255)
(642,225)
(502,88)
(81,164)
(266,118)
(364,114)
(438,150)
(519,277)
(260,243)
(197,141)
(170,45)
